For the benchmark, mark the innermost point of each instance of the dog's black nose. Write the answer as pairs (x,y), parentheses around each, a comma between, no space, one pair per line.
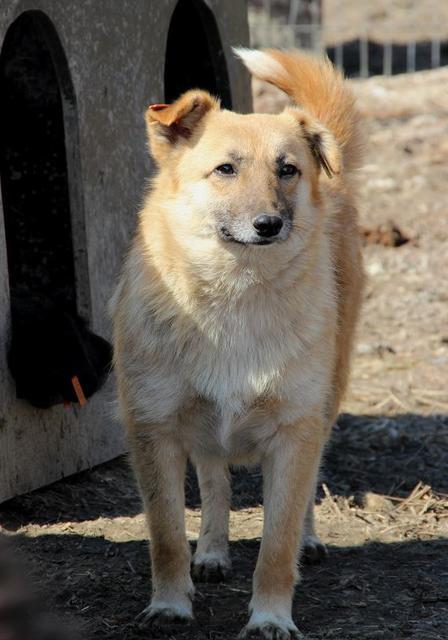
(267,226)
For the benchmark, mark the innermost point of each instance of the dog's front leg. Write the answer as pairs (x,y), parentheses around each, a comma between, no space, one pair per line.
(289,469)
(211,562)
(159,463)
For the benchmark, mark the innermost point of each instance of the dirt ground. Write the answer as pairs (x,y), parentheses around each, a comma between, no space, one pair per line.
(384,20)
(383,501)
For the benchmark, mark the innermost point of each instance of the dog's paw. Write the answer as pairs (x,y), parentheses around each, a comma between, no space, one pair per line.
(313,550)
(270,631)
(165,613)
(211,567)
(270,627)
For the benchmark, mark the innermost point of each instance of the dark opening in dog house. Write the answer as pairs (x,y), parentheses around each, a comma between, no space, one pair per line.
(52,355)
(194,53)
(34,79)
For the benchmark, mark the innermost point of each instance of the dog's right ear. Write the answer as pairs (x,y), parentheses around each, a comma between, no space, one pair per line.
(171,124)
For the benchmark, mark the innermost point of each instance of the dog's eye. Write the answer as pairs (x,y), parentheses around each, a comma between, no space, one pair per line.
(225,169)
(287,171)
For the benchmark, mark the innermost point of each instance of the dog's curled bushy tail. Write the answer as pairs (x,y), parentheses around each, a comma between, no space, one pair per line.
(317,86)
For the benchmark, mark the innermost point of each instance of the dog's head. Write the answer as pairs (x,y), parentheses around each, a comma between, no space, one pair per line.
(243,181)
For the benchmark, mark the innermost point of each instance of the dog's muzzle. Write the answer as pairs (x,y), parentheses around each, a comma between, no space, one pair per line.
(262,230)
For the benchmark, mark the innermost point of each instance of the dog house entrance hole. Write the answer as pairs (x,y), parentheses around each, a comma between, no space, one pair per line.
(34,176)
(194,53)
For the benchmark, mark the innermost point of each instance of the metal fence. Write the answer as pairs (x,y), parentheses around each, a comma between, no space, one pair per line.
(363,37)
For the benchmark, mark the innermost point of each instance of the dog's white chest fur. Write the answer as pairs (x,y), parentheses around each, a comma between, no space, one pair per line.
(258,346)
(234,370)
(239,356)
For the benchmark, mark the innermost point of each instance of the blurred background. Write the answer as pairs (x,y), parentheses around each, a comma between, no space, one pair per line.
(394,52)
(363,38)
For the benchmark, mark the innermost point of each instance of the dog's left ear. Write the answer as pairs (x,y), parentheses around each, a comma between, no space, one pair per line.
(171,124)
(322,144)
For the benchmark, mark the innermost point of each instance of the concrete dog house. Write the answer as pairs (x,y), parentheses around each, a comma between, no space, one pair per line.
(75,80)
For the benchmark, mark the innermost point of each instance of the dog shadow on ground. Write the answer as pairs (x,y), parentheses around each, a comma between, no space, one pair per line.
(381,454)
(365,589)
(388,591)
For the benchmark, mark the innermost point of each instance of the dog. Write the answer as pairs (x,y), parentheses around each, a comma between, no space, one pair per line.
(234,320)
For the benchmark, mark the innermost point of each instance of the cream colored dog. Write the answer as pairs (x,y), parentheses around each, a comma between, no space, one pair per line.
(234,322)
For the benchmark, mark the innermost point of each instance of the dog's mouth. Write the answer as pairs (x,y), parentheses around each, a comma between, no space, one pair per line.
(225,235)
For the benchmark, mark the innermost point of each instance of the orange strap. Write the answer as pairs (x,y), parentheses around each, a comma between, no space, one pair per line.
(78,390)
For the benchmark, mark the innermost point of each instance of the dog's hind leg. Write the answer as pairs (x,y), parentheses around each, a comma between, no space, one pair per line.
(313,549)
(211,562)
(160,463)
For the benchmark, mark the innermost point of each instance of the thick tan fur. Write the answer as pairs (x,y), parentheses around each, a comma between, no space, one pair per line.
(231,351)
(317,86)
(320,88)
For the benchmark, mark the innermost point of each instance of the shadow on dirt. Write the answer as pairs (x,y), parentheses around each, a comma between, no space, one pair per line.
(387,454)
(388,591)
(392,591)
(382,454)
